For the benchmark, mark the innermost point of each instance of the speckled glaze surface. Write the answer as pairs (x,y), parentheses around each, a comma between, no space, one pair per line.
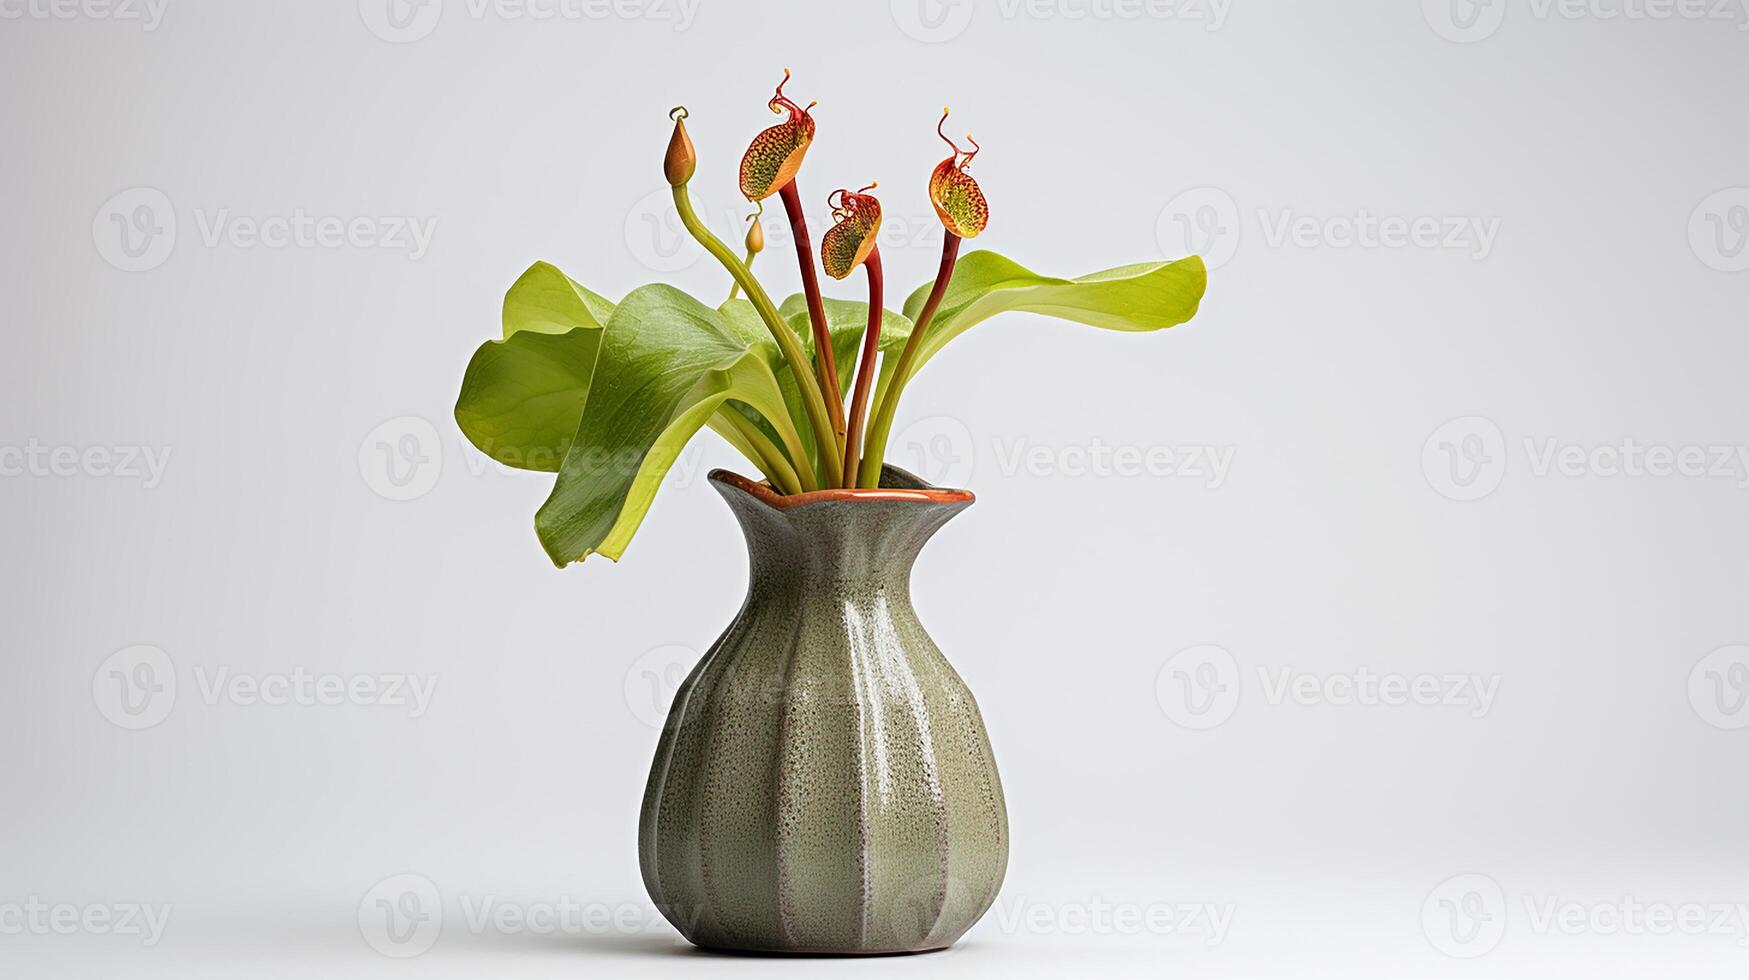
(824,783)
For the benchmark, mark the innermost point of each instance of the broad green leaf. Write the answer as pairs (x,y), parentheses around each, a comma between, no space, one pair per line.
(741,321)
(1150,296)
(667,364)
(546,300)
(522,396)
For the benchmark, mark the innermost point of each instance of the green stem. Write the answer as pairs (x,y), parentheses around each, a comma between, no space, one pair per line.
(865,374)
(735,288)
(882,428)
(771,459)
(830,459)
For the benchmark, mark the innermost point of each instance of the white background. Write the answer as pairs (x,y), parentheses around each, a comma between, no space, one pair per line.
(302,392)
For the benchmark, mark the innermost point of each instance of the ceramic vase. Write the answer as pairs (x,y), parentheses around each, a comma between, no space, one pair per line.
(824,783)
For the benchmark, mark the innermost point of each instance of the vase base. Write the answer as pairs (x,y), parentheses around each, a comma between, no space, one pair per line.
(820,953)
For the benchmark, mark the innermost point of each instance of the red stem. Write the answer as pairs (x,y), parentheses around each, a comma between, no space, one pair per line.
(871,349)
(882,429)
(825,362)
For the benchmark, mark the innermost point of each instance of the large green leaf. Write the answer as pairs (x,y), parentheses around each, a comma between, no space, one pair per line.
(667,364)
(1150,296)
(546,300)
(522,396)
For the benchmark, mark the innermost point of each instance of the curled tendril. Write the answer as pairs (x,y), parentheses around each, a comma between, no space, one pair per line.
(679,113)
(776,154)
(958,200)
(781,103)
(846,205)
(940,128)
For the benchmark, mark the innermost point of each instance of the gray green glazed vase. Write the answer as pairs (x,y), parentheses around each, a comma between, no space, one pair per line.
(824,783)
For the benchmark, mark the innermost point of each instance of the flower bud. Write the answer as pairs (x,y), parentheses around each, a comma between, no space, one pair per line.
(755,236)
(681,162)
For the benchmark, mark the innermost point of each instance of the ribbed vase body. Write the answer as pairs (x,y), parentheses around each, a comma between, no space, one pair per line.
(824,783)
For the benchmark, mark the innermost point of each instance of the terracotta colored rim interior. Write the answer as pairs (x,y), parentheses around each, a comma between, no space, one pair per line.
(769,496)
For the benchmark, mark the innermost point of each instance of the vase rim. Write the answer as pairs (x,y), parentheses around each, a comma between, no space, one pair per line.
(764,493)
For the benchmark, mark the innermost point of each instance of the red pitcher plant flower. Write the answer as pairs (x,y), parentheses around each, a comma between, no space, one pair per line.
(853,241)
(769,167)
(959,203)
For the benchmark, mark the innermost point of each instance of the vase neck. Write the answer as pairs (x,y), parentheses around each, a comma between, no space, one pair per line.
(844,537)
